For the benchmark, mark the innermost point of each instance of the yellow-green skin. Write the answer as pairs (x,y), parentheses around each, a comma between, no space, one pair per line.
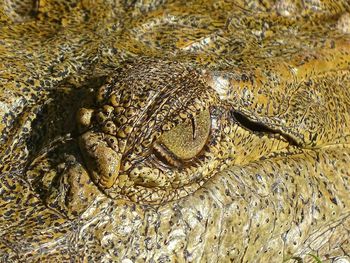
(96,98)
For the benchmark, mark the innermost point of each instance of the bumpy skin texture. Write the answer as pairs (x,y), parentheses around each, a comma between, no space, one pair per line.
(174,131)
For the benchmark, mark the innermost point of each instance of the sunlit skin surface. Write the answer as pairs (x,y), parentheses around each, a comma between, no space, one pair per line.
(184,131)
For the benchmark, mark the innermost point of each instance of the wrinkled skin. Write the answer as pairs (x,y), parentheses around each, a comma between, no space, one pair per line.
(174,132)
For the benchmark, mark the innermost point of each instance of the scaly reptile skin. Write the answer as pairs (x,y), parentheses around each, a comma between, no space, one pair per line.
(174,131)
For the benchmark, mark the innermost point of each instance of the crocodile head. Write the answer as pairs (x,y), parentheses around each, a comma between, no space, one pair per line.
(167,161)
(163,132)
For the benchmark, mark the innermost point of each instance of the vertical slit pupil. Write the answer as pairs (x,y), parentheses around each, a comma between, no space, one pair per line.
(193,122)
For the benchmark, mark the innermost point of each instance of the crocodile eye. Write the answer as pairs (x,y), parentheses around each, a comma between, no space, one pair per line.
(185,141)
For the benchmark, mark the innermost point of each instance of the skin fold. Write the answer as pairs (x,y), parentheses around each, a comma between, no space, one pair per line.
(174,131)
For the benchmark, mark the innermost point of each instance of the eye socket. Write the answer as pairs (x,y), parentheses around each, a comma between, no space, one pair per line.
(186,140)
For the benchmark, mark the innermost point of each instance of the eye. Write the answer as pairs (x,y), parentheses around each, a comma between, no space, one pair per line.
(185,141)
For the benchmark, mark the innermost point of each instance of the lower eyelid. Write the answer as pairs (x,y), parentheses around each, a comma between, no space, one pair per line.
(166,156)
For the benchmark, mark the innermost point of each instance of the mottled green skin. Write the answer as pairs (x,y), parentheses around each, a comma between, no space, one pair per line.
(249,196)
